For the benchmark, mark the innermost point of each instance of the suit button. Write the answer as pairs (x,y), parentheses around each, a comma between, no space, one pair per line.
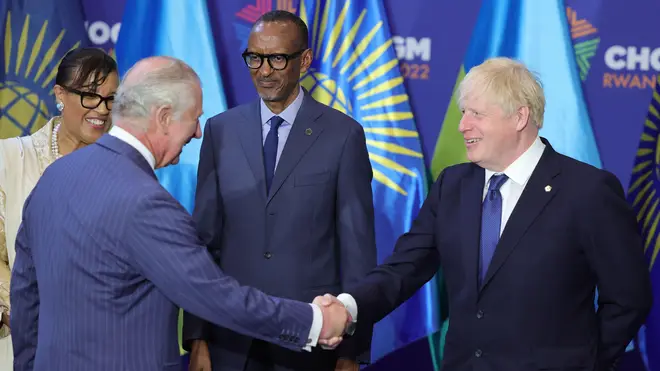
(268,255)
(478,353)
(480,314)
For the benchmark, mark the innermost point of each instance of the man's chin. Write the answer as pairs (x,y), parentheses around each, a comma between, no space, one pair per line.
(270,97)
(174,161)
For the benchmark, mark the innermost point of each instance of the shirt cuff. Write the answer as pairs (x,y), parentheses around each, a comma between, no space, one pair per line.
(350,305)
(315,331)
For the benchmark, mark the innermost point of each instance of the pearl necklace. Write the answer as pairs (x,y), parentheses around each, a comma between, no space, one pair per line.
(55,148)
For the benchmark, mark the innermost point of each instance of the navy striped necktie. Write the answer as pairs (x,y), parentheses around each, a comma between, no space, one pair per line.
(270,150)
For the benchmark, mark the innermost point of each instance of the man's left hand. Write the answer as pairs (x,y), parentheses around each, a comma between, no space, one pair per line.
(347,365)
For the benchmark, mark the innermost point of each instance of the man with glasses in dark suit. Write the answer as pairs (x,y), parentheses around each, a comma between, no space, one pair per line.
(283,202)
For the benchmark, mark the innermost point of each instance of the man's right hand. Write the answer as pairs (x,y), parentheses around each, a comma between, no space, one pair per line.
(200,359)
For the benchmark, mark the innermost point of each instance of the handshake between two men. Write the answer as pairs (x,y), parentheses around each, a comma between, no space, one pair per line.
(337,321)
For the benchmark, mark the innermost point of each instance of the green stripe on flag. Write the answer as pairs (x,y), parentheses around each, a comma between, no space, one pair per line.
(180,333)
(450,149)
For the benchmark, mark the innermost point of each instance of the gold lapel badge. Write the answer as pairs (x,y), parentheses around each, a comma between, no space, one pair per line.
(548,188)
(308,131)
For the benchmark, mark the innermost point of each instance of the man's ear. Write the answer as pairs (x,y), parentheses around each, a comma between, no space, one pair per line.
(306,61)
(164,118)
(522,116)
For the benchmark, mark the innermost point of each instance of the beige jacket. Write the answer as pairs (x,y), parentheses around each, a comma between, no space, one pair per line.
(22,161)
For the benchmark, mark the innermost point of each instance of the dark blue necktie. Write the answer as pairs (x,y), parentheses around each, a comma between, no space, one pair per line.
(270,149)
(491,220)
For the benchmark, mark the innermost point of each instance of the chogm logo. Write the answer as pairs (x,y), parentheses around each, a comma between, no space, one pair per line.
(100,33)
(585,41)
(414,56)
(633,67)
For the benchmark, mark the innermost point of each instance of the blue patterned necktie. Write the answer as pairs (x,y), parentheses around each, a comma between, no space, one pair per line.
(270,149)
(491,220)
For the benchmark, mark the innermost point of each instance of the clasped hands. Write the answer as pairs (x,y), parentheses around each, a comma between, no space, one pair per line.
(335,320)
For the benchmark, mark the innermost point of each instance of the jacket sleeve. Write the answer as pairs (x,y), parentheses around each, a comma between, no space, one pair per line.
(163,245)
(614,248)
(5,271)
(414,262)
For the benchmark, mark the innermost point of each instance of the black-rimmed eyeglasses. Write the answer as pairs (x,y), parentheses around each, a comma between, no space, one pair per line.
(277,62)
(91,100)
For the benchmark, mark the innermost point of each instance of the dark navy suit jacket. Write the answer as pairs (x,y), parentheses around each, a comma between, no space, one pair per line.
(105,256)
(312,234)
(535,309)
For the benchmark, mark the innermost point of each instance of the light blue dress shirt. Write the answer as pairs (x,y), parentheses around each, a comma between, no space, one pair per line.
(288,115)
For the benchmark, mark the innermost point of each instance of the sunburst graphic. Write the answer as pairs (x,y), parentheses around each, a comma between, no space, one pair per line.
(355,71)
(31,58)
(644,191)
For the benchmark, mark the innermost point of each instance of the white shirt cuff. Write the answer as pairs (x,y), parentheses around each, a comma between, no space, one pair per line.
(315,331)
(350,305)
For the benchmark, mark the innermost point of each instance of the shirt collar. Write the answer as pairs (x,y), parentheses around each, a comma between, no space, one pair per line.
(127,137)
(288,115)
(521,169)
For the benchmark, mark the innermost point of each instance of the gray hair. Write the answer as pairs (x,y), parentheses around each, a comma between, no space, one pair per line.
(171,84)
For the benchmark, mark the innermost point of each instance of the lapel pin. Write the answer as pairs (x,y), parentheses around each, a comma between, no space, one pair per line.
(548,188)
(308,131)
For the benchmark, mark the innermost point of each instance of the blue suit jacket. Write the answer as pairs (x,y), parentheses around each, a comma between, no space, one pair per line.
(105,256)
(535,309)
(312,234)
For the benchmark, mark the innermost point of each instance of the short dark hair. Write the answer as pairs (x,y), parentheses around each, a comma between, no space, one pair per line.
(284,16)
(79,65)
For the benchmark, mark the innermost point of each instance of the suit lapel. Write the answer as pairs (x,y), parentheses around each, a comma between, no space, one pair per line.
(303,133)
(470,215)
(531,203)
(252,143)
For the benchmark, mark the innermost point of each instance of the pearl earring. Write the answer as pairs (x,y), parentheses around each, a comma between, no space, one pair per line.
(60,106)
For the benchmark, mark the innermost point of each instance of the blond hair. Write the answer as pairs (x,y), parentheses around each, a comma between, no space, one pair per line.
(507,83)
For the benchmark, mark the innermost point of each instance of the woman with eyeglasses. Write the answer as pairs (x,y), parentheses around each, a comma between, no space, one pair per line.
(84,91)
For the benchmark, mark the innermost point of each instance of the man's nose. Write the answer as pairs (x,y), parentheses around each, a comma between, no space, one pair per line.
(265,69)
(463,125)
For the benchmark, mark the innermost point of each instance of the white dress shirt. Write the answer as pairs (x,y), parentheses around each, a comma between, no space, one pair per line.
(518,173)
(126,137)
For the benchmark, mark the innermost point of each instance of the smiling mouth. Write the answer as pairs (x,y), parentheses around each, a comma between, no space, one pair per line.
(97,123)
(471,141)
